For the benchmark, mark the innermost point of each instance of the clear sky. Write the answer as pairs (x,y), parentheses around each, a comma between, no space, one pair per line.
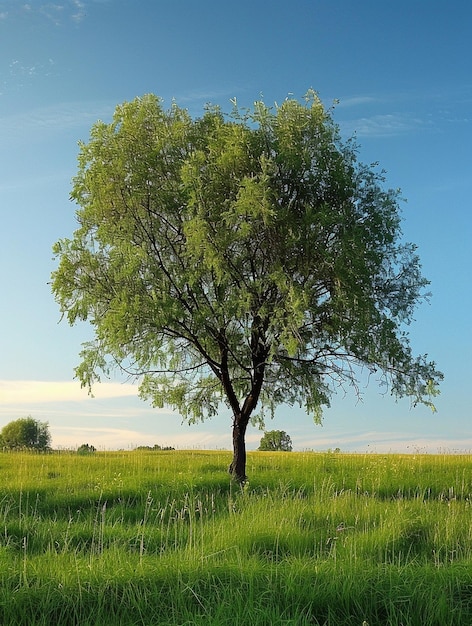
(402,74)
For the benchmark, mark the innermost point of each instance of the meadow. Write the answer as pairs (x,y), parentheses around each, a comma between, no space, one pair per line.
(144,538)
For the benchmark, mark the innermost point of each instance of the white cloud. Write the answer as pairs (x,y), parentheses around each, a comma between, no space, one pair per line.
(55,119)
(53,12)
(29,392)
(124,438)
(79,13)
(387,125)
(58,13)
(101,438)
(355,101)
(384,442)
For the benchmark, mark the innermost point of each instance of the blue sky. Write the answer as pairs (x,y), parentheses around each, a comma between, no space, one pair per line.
(401,72)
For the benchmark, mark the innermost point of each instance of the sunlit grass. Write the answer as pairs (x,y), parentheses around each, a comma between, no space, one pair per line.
(165,538)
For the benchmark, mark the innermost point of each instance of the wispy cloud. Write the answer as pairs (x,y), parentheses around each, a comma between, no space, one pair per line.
(123,438)
(28,392)
(384,442)
(101,438)
(354,101)
(57,13)
(385,125)
(55,118)
(79,11)
(114,418)
(19,69)
(17,74)
(53,12)
(385,115)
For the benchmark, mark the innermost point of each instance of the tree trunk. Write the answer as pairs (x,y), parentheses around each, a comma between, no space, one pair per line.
(237,469)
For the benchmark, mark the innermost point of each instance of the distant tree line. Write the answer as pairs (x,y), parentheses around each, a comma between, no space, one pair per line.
(155,447)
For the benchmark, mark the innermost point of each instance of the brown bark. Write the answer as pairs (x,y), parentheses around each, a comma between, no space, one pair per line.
(237,469)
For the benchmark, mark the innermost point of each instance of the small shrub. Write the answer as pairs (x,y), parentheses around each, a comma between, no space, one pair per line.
(85,448)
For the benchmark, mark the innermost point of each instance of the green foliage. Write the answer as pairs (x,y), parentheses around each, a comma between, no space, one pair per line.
(85,449)
(249,259)
(276,440)
(26,432)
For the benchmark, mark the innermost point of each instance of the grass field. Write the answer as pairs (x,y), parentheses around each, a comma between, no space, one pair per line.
(143,538)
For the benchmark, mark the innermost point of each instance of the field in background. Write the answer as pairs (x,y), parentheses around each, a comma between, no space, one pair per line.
(142,538)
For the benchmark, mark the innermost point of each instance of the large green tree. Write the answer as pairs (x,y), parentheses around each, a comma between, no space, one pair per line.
(26,433)
(275,440)
(248,259)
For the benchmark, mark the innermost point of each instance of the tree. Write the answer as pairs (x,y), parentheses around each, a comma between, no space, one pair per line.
(85,449)
(26,432)
(248,259)
(275,440)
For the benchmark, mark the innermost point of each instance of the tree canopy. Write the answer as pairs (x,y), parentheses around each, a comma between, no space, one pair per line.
(275,441)
(26,432)
(248,259)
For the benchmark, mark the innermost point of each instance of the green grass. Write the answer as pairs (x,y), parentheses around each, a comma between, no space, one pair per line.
(142,538)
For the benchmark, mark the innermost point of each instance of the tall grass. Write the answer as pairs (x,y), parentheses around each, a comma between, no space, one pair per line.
(165,538)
